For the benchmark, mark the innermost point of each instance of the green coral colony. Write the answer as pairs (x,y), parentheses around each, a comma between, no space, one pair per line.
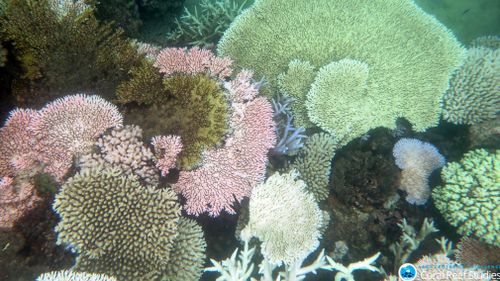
(343,73)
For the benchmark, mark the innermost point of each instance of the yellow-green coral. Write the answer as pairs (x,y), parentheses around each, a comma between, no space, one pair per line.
(192,107)
(410,55)
(474,93)
(313,164)
(188,255)
(117,226)
(295,83)
(470,196)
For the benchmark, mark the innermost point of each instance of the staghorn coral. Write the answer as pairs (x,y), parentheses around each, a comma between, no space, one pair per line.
(418,160)
(65,54)
(229,173)
(474,93)
(206,26)
(492,42)
(285,217)
(469,198)
(68,127)
(313,164)
(188,253)
(68,275)
(116,225)
(123,149)
(272,33)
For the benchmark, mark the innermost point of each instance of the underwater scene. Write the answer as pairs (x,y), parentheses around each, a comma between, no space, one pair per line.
(246,140)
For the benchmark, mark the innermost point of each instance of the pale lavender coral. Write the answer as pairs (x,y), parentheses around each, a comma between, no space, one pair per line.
(69,126)
(229,173)
(123,148)
(166,148)
(418,160)
(193,61)
(17,143)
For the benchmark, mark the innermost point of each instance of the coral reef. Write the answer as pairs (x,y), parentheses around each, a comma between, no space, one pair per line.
(68,127)
(313,164)
(474,93)
(294,83)
(60,55)
(206,23)
(124,237)
(417,160)
(188,253)
(469,197)
(123,149)
(270,34)
(289,230)
(67,275)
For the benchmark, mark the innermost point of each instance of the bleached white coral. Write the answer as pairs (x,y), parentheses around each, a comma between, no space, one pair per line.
(64,7)
(68,275)
(285,217)
(417,159)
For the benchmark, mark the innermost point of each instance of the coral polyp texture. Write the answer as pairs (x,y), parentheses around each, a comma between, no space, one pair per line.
(68,275)
(225,128)
(117,226)
(166,149)
(69,126)
(122,148)
(229,173)
(182,95)
(17,143)
(17,198)
(327,105)
(418,160)
(470,196)
(402,80)
(188,254)
(285,217)
(314,162)
(474,94)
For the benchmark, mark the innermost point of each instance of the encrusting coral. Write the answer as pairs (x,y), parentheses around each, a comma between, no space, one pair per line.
(402,80)
(469,198)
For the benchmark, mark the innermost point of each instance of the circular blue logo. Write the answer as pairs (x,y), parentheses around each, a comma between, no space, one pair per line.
(407,272)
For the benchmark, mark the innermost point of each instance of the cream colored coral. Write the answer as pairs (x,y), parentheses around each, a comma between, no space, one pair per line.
(285,218)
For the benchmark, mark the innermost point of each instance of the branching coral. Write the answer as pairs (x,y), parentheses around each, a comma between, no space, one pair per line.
(205,25)
(69,53)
